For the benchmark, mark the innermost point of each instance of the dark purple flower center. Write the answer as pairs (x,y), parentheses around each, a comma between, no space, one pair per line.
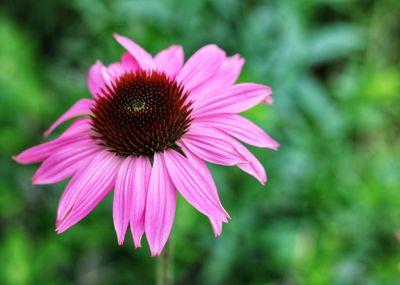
(141,114)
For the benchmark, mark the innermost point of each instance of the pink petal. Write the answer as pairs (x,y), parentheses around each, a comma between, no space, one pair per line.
(108,79)
(81,107)
(253,167)
(122,205)
(205,145)
(268,100)
(193,186)
(239,127)
(246,160)
(95,79)
(201,67)
(226,76)
(130,197)
(143,58)
(202,168)
(129,63)
(141,184)
(116,69)
(79,126)
(216,226)
(160,206)
(65,162)
(236,99)
(170,60)
(86,189)
(205,172)
(42,151)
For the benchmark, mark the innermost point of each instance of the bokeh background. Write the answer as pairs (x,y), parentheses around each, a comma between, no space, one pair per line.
(330,212)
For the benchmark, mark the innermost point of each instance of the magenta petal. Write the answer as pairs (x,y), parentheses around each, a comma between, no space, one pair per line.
(230,70)
(42,151)
(226,76)
(122,205)
(79,126)
(170,60)
(236,99)
(81,107)
(193,186)
(160,206)
(65,162)
(129,63)
(76,132)
(208,145)
(142,57)
(95,79)
(142,172)
(201,67)
(130,197)
(116,69)
(86,189)
(253,167)
(246,160)
(240,128)
(202,168)
(216,226)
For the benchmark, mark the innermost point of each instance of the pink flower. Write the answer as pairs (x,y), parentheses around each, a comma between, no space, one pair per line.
(152,124)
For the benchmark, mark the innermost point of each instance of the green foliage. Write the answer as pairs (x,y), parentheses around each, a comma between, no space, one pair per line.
(330,210)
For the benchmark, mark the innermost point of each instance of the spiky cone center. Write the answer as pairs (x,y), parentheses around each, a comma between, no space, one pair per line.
(140,114)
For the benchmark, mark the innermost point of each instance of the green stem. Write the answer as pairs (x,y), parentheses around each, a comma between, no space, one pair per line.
(164,272)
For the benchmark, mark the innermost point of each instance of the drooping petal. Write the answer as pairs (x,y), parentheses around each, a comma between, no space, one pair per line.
(95,79)
(235,99)
(143,58)
(240,128)
(202,168)
(65,162)
(122,205)
(210,148)
(130,197)
(247,162)
(226,76)
(216,226)
(80,108)
(193,186)
(201,67)
(160,206)
(170,60)
(253,166)
(141,184)
(86,189)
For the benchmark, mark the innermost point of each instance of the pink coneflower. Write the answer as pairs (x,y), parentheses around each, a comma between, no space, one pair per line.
(152,124)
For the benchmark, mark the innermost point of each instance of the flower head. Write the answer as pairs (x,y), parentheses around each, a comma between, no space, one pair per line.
(147,132)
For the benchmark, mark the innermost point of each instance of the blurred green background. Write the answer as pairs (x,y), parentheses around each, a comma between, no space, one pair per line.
(331,209)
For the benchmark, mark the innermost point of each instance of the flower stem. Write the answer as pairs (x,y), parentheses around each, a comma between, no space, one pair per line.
(164,273)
